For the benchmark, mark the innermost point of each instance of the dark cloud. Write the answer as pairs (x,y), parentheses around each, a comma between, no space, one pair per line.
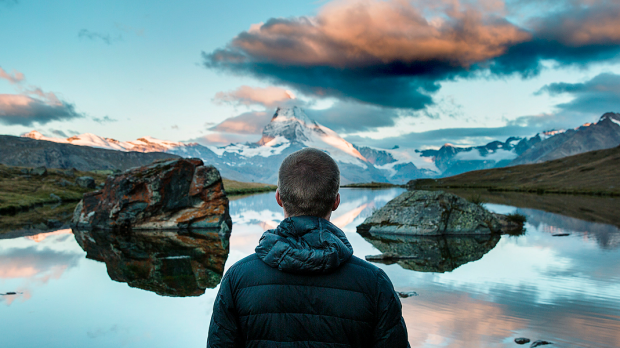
(59,133)
(104,119)
(105,37)
(457,136)
(591,99)
(352,117)
(387,53)
(26,111)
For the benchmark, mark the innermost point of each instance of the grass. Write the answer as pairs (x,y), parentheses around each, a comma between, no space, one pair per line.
(477,200)
(234,187)
(516,217)
(27,199)
(590,173)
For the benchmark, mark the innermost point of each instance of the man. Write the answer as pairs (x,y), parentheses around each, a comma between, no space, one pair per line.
(303,287)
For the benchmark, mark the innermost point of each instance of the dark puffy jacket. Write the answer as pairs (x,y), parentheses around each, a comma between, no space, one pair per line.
(303,288)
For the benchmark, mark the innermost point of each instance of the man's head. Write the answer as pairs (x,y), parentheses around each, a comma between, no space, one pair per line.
(308,183)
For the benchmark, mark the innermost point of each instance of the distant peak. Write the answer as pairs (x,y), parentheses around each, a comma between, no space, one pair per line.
(610,115)
(33,135)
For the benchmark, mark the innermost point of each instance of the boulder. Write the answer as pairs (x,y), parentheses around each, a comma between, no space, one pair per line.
(86,182)
(167,194)
(38,171)
(169,263)
(431,213)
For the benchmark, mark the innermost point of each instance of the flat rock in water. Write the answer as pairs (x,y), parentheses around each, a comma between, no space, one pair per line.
(522,340)
(539,343)
(167,194)
(407,294)
(431,213)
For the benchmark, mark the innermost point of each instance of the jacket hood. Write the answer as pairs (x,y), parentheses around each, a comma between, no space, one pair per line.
(304,244)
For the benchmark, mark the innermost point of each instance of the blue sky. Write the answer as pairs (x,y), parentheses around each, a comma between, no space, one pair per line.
(412,75)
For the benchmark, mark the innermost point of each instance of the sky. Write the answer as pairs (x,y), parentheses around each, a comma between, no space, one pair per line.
(415,74)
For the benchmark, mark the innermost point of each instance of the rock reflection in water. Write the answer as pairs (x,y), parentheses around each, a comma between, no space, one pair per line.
(169,263)
(432,253)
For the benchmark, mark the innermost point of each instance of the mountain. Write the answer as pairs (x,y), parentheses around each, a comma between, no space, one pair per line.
(594,172)
(604,134)
(22,151)
(291,129)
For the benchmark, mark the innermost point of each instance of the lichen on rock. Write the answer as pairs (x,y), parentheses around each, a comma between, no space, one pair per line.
(167,194)
(432,213)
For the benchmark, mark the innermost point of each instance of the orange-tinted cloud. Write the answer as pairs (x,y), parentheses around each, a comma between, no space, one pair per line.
(246,123)
(394,53)
(14,78)
(269,97)
(25,110)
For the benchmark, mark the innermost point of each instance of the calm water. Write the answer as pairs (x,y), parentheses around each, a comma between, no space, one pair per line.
(471,293)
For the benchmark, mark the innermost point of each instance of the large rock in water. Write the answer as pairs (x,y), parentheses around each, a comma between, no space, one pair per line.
(431,213)
(167,194)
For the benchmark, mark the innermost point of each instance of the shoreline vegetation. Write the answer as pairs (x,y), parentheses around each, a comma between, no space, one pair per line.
(590,173)
(45,198)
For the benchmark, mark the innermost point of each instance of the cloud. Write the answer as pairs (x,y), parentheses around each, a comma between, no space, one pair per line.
(396,53)
(104,119)
(14,78)
(352,117)
(591,99)
(268,97)
(91,35)
(24,110)
(59,133)
(246,123)
(438,137)
(474,155)
(32,105)
(176,127)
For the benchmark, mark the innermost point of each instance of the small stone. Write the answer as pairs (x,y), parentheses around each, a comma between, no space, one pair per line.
(53,223)
(69,172)
(522,340)
(53,196)
(539,343)
(408,294)
(11,293)
(560,234)
(39,171)
(64,183)
(86,182)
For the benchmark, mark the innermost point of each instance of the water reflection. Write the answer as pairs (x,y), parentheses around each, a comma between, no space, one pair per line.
(432,253)
(561,289)
(169,263)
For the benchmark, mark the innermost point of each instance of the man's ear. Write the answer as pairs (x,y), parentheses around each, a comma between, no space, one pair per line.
(336,202)
(278,199)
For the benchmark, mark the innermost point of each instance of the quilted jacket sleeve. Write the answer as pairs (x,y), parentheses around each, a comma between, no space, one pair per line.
(390,330)
(224,327)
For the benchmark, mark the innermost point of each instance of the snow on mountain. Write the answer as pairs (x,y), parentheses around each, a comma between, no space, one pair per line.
(145,144)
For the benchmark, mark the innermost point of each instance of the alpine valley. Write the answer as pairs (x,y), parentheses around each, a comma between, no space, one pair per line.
(291,129)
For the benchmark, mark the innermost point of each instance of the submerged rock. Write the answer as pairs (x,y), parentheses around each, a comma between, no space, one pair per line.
(169,263)
(540,343)
(168,194)
(522,340)
(430,253)
(430,213)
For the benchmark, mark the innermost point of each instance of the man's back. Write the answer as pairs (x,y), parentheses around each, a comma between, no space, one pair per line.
(303,288)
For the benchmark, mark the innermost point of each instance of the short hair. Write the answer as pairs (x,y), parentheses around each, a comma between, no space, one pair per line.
(308,181)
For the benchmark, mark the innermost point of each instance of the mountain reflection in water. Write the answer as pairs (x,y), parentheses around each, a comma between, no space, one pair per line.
(433,253)
(561,289)
(169,263)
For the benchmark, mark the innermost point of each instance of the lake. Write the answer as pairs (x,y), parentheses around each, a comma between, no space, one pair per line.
(466,292)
